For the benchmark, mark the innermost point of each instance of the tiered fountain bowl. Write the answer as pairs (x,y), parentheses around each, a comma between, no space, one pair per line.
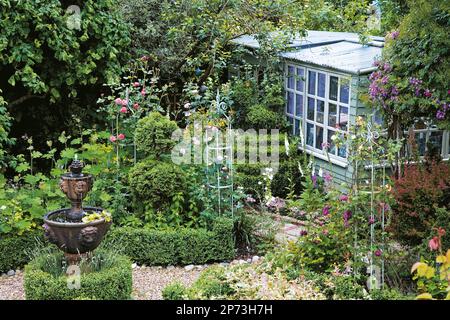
(65,228)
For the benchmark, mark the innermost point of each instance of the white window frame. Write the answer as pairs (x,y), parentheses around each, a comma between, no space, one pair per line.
(445,143)
(319,153)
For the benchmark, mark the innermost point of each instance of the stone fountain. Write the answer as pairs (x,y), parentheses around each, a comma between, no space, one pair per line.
(65,227)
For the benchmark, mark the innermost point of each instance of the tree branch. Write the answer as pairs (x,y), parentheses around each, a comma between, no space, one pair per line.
(24,98)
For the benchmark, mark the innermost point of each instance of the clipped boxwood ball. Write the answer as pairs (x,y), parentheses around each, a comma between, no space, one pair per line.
(154,134)
(155,183)
(113,281)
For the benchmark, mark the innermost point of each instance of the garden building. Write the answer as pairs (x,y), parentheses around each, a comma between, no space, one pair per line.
(326,74)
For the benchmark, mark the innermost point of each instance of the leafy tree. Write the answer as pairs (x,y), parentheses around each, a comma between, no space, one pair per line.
(43,55)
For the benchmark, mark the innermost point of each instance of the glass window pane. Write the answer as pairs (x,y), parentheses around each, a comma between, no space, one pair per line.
(321,85)
(290,103)
(332,115)
(300,79)
(343,117)
(320,111)
(319,137)
(297,127)
(435,142)
(291,79)
(310,134)
(344,90)
(299,105)
(311,82)
(311,108)
(332,148)
(342,151)
(333,88)
(421,142)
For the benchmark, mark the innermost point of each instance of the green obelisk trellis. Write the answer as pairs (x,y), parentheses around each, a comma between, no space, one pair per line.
(219,160)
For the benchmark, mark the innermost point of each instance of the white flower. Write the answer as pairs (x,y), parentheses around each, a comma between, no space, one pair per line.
(334,137)
(320,172)
(2,207)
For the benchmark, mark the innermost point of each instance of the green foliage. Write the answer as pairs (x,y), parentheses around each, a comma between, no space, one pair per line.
(288,179)
(56,58)
(388,294)
(156,183)
(111,281)
(260,117)
(343,287)
(174,291)
(249,177)
(5,140)
(422,47)
(175,246)
(14,249)
(254,232)
(153,135)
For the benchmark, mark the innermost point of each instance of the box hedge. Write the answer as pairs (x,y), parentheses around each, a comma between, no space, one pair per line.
(109,283)
(15,249)
(175,246)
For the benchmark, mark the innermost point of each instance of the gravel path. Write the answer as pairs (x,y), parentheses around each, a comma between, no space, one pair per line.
(148,282)
(11,288)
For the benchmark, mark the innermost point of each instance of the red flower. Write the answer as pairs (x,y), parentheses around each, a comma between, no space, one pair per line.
(123,110)
(121,136)
(136,106)
(378,252)
(434,244)
(112,139)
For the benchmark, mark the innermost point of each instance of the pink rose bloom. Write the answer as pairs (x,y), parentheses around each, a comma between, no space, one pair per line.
(136,84)
(143,92)
(325,232)
(118,101)
(136,106)
(343,197)
(434,244)
(112,139)
(123,110)
(121,136)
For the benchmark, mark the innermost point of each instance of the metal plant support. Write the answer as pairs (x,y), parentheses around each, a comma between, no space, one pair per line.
(371,141)
(219,161)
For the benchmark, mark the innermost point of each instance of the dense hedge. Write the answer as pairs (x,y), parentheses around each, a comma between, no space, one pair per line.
(112,283)
(177,246)
(14,249)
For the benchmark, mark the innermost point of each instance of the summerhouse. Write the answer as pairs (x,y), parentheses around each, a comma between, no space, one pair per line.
(325,75)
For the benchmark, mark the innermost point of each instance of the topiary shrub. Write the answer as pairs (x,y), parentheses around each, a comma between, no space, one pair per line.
(44,279)
(153,135)
(287,179)
(261,117)
(175,246)
(155,183)
(249,177)
(14,250)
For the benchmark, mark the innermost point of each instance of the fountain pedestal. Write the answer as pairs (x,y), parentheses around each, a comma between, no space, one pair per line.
(65,228)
